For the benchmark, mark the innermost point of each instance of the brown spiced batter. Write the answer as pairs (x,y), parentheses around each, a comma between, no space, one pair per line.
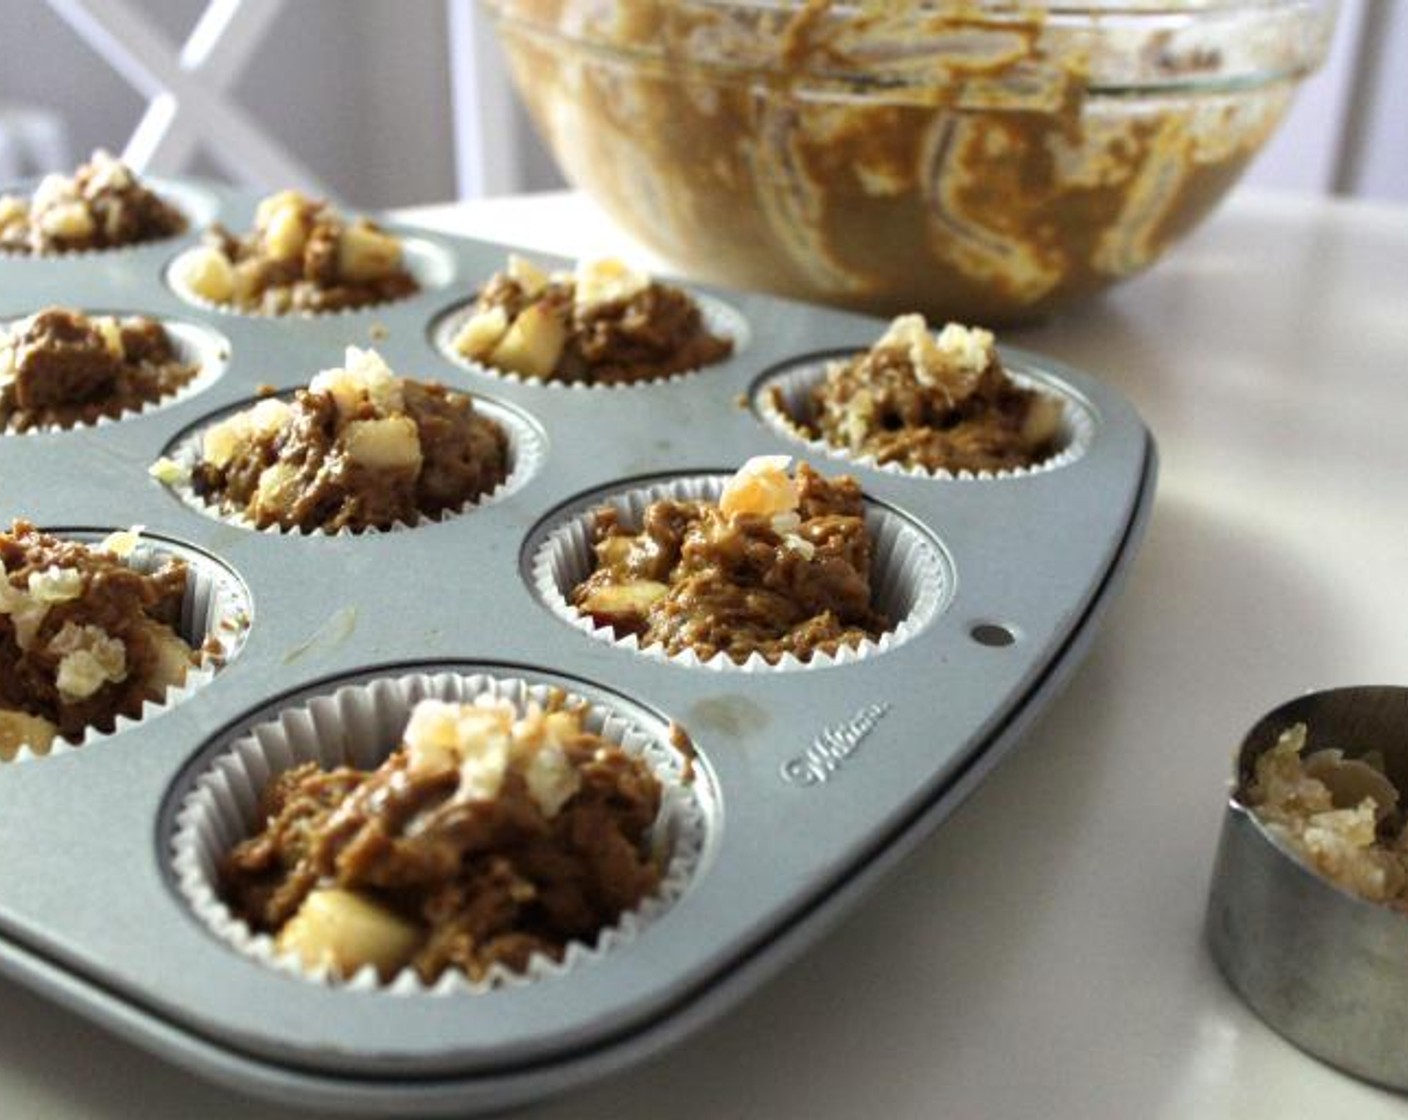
(548,328)
(445,867)
(301,256)
(777,566)
(359,449)
(931,403)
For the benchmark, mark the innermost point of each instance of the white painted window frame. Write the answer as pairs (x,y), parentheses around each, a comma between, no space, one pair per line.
(488,131)
(187,87)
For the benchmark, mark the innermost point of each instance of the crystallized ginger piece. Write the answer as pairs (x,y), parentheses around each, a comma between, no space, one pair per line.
(550,777)
(1331,824)
(475,739)
(1340,845)
(953,359)
(124,542)
(90,658)
(969,349)
(168,472)
(483,741)
(1281,786)
(763,487)
(606,281)
(56,585)
(1351,781)
(364,378)
(172,661)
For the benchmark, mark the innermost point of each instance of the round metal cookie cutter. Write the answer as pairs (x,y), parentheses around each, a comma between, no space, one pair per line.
(1325,968)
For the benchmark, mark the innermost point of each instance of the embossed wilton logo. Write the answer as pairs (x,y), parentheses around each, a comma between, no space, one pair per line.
(829,750)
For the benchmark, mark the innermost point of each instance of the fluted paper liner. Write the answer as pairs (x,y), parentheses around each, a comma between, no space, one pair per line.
(910,577)
(431,266)
(793,385)
(359,725)
(526,448)
(216,606)
(195,345)
(720,319)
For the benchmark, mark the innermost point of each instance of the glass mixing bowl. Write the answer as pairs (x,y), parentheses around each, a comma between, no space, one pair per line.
(980,161)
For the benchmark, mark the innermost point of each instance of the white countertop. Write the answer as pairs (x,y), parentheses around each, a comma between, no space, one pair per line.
(1041,955)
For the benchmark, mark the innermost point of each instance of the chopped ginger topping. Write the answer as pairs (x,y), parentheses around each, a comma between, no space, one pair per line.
(762,486)
(1337,814)
(487,738)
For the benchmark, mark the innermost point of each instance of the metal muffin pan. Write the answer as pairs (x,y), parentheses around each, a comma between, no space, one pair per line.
(816,780)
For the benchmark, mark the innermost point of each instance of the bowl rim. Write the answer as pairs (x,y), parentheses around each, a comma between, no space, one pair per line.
(1032,51)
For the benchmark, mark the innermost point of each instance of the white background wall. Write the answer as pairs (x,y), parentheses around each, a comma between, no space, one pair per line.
(361,91)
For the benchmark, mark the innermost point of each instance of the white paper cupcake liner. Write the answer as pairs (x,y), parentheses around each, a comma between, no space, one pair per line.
(526,450)
(911,577)
(794,383)
(216,606)
(359,725)
(194,344)
(431,265)
(199,207)
(720,318)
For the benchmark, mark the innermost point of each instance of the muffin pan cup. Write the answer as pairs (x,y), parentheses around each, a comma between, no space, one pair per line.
(719,318)
(813,784)
(526,448)
(193,345)
(783,399)
(910,578)
(346,727)
(214,610)
(421,257)
(197,201)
